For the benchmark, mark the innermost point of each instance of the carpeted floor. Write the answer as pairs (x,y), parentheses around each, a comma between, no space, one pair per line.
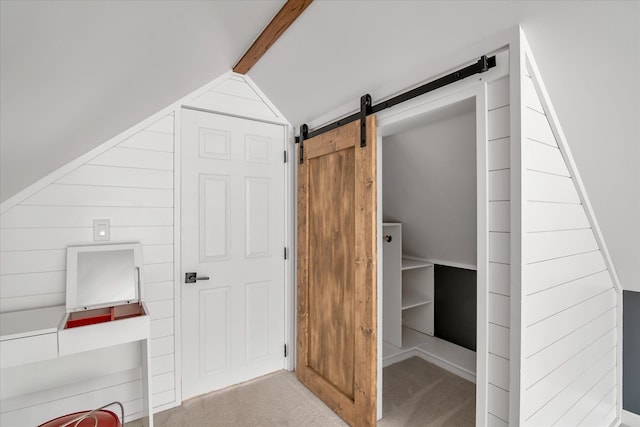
(415,393)
(418,393)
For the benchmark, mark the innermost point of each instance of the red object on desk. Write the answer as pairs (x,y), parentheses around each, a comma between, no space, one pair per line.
(84,321)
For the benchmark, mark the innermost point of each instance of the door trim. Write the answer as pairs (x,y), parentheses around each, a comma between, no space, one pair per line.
(289,238)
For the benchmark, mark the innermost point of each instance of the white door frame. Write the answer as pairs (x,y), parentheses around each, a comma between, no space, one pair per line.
(290,227)
(412,110)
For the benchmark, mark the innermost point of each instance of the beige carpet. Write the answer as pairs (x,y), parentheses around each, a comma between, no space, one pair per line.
(416,393)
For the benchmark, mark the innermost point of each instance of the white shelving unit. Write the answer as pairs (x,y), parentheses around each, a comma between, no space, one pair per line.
(407,289)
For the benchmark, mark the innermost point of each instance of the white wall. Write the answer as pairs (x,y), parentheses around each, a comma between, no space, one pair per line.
(131,184)
(499,281)
(569,363)
(430,187)
(129,180)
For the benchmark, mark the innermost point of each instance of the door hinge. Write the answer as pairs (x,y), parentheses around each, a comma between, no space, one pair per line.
(285,350)
(285,252)
(285,156)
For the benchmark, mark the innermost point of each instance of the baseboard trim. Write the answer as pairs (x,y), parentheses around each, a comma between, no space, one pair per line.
(428,357)
(446,365)
(630,419)
(399,357)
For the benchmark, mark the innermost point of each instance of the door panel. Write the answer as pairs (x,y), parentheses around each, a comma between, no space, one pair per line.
(232,232)
(337,299)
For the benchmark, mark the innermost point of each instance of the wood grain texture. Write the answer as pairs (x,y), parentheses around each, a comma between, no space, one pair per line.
(336,304)
(278,25)
(332,267)
(366,277)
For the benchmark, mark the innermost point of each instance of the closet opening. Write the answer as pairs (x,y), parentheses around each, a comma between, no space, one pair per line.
(430,227)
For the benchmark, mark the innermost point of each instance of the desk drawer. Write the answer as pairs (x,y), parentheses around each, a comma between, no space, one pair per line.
(20,351)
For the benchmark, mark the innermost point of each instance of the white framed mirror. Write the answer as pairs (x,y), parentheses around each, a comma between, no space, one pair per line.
(103,275)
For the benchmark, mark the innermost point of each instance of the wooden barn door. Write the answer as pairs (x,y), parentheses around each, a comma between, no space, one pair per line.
(336,295)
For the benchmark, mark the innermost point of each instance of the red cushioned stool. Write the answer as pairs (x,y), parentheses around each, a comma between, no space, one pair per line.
(99,417)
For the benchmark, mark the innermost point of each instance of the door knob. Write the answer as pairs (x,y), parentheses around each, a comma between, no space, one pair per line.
(192,277)
(387,238)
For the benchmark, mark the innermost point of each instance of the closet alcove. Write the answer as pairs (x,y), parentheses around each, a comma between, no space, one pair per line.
(429,238)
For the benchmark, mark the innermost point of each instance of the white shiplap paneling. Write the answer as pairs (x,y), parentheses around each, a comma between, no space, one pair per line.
(544,158)
(499,371)
(135,158)
(570,332)
(549,331)
(554,300)
(500,216)
(111,176)
(499,280)
(542,246)
(499,340)
(82,216)
(499,154)
(133,188)
(555,217)
(551,357)
(544,187)
(499,302)
(150,140)
(129,180)
(544,275)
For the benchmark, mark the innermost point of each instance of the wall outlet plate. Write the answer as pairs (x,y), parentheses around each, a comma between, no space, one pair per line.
(101,230)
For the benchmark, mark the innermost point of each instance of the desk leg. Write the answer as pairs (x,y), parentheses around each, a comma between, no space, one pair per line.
(147,407)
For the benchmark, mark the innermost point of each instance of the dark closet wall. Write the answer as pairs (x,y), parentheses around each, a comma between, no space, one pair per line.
(455,305)
(631,351)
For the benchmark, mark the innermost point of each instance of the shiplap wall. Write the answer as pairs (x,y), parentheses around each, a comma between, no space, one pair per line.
(569,336)
(132,184)
(235,96)
(498,135)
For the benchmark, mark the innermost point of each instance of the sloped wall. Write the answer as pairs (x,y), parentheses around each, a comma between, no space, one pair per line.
(429,185)
(569,355)
(132,185)
(129,180)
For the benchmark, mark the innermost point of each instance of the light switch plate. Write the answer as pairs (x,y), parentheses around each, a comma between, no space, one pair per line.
(101,230)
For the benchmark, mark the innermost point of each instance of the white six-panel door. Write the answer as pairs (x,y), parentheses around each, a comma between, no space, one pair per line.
(233,231)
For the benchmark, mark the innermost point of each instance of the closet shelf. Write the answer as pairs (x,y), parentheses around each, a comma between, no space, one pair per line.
(411,299)
(408,264)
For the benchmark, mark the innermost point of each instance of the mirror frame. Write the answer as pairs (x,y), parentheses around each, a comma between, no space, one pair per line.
(72,274)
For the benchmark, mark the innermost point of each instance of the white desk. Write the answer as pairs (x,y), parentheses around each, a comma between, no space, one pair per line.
(35,335)
(29,335)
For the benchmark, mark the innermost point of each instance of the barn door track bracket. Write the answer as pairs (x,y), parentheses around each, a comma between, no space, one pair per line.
(304,130)
(483,65)
(365,110)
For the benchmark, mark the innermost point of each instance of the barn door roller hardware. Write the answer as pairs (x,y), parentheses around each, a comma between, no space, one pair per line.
(482,65)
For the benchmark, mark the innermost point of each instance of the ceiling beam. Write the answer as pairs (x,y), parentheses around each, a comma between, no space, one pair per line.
(278,25)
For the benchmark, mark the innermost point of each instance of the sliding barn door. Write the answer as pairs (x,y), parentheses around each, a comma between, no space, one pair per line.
(336,305)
